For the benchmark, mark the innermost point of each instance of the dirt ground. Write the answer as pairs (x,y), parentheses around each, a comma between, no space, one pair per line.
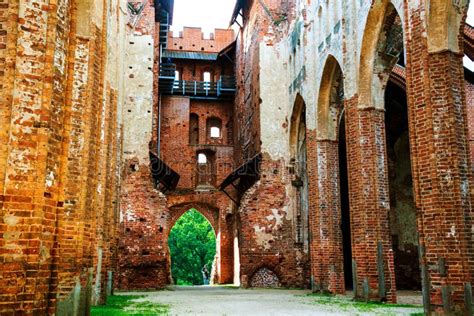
(208,300)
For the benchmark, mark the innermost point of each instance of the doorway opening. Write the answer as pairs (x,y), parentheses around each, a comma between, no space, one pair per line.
(345,210)
(402,203)
(192,245)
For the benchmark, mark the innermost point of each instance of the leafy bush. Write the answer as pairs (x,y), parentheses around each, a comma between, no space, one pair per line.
(192,243)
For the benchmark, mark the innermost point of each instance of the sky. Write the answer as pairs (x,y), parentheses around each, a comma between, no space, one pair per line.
(211,14)
(208,14)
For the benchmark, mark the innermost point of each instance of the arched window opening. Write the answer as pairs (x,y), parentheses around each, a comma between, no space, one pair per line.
(299,173)
(379,88)
(192,244)
(194,129)
(207,78)
(334,178)
(214,130)
(202,159)
(206,175)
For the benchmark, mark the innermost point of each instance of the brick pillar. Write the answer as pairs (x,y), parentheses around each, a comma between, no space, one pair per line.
(442,175)
(373,265)
(226,259)
(326,246)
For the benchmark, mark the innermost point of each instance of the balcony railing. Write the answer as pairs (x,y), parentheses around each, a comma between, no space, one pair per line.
(225,87)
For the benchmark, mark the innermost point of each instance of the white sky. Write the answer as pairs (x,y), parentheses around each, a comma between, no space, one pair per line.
(208,14)
(211,14)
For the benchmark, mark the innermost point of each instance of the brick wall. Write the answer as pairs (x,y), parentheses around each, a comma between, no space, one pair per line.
(4,6)
(266,237)
(143,261)
(469,86)
(147,215)
(60,234)
(192,39)
(176,112)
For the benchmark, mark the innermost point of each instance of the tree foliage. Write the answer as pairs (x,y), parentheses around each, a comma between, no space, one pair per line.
(192,244)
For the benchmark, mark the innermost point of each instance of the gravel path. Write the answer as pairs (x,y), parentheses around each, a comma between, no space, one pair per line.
(206,300)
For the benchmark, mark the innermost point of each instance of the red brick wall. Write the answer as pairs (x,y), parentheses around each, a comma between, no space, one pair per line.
(192,39)
(3,37)
(194,70)
(441,169)
(143,261)
(52,225)
(147,216)
(325,220)
(146,221)
(266,236)
(146,23)
(469,86)
(369,200)
(175,137)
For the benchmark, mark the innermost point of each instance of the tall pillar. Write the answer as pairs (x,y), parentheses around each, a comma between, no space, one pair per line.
(373,267)
(226,258)
(325,217)
(441,171)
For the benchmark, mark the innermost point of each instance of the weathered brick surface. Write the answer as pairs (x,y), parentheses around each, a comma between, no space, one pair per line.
(192,39)
(57,235)
(175,137)
(441,169)
(64,123)
(470,116)
(266,238)
(147,215)
(369,200)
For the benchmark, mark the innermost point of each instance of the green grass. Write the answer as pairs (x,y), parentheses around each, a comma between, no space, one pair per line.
(345,304)
(126,305)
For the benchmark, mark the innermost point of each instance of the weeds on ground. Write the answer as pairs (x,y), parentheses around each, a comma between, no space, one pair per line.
(343,303)
(126,305)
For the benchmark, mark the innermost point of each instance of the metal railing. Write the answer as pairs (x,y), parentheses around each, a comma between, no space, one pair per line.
(224,87)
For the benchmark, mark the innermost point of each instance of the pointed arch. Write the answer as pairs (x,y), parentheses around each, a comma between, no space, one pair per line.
(381,47)
(299,108)
(444,24)
(330,101)
(210,212)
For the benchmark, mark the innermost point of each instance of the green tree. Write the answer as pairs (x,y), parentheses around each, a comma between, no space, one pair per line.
(192,244)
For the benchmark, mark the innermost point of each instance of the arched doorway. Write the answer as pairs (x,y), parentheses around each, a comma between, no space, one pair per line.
(332,262)
(386,94)
(192,245)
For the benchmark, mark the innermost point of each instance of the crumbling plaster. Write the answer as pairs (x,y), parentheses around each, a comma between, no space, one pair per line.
(138,105)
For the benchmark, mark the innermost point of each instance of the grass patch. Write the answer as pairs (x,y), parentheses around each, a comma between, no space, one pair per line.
(126,305)
(343,303)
